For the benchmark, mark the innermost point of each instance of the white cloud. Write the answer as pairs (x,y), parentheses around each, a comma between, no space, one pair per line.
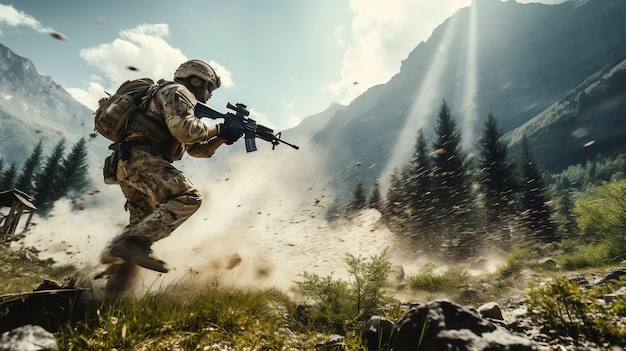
(383,34)
(11,17)
(86,97)
(138,52)
(223,73)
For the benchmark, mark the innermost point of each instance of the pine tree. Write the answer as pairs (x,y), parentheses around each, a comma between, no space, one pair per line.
(375,197)
(30,168)
(565,214)
(496,172)
(48,181)
(74,169)
(7,178)
(535,211)
(420,191)
(334,211)
(395,206)
(451,181)
(449,161)
(359,200)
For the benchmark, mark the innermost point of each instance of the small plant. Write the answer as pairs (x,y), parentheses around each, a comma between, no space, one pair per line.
(563,305)
(338,304)
(518,259)
(429,280)
(602,214)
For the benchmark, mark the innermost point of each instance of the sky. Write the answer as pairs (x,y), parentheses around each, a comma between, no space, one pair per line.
(285,60)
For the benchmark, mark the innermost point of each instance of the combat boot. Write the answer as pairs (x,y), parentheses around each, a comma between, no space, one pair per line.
(137,250)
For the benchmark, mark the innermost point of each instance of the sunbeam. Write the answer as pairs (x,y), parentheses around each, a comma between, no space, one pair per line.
(425,103)
(469,112)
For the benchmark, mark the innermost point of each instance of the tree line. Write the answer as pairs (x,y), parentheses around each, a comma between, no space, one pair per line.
(456,205)
(47,179)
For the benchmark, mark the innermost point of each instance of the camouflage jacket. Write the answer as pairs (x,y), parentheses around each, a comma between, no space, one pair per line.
(171,105)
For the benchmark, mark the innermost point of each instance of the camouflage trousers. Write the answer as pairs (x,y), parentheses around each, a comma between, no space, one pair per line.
(159,198)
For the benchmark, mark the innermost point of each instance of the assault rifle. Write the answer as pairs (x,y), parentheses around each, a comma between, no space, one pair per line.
(250,128)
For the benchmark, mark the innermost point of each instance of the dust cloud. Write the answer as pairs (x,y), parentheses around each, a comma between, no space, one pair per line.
(262,224)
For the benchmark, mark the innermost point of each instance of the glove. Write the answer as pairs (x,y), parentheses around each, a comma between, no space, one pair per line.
(229,133)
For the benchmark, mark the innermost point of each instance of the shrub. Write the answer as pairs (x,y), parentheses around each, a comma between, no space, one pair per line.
(338,304)
(429,280)
(563,305)
(602,215)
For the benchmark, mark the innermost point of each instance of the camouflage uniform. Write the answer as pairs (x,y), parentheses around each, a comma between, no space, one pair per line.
(159,196)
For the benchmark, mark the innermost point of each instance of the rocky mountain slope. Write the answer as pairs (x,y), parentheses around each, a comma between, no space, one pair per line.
(33,108)
(553,72)
(513,60)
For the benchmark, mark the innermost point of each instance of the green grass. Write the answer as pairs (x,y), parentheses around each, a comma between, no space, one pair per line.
(216,317)
(235,318)
(26,272)
(428,279)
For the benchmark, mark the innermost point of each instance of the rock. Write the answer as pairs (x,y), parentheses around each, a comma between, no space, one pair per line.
(469,294)
(28,338)
(491,310)
(614,275)
(481,263)
(334,343)
(548,263)
(376,334)
(443,325)
(397,272)
(48,302)
(579,279)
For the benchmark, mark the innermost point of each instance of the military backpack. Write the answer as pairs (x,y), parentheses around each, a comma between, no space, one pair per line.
(115,112)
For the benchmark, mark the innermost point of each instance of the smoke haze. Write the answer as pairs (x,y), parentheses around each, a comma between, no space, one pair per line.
(262,224)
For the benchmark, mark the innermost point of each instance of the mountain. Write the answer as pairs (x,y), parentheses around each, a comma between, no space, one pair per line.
(33,108)
(554,73)
(513,60)
(590,119)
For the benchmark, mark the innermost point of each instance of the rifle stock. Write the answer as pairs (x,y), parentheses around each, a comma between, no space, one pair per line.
(250,128)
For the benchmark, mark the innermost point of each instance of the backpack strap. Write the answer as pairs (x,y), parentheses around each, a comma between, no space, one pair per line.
(157,131)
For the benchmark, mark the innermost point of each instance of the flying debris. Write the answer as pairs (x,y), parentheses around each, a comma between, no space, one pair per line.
(132,68)
(100,20)
(59,36)
(589,143)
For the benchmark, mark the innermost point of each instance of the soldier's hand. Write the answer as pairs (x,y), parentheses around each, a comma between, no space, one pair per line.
(229,133)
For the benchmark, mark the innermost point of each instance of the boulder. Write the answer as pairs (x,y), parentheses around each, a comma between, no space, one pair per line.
(376,334)
(28,338)
(334,343)
(443,325)
(491,310)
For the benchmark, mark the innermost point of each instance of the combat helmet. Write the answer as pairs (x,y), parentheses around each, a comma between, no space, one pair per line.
(200,69)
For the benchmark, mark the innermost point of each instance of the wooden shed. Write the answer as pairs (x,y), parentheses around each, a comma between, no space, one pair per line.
(19,204)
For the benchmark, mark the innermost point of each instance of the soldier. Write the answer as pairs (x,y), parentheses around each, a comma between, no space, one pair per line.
(159,196)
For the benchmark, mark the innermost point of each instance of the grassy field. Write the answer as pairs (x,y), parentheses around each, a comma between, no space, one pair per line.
(217,317)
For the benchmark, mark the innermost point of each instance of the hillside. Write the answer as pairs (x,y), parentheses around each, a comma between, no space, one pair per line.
(589,120)
(513,60)
(33,108)
(528,64)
